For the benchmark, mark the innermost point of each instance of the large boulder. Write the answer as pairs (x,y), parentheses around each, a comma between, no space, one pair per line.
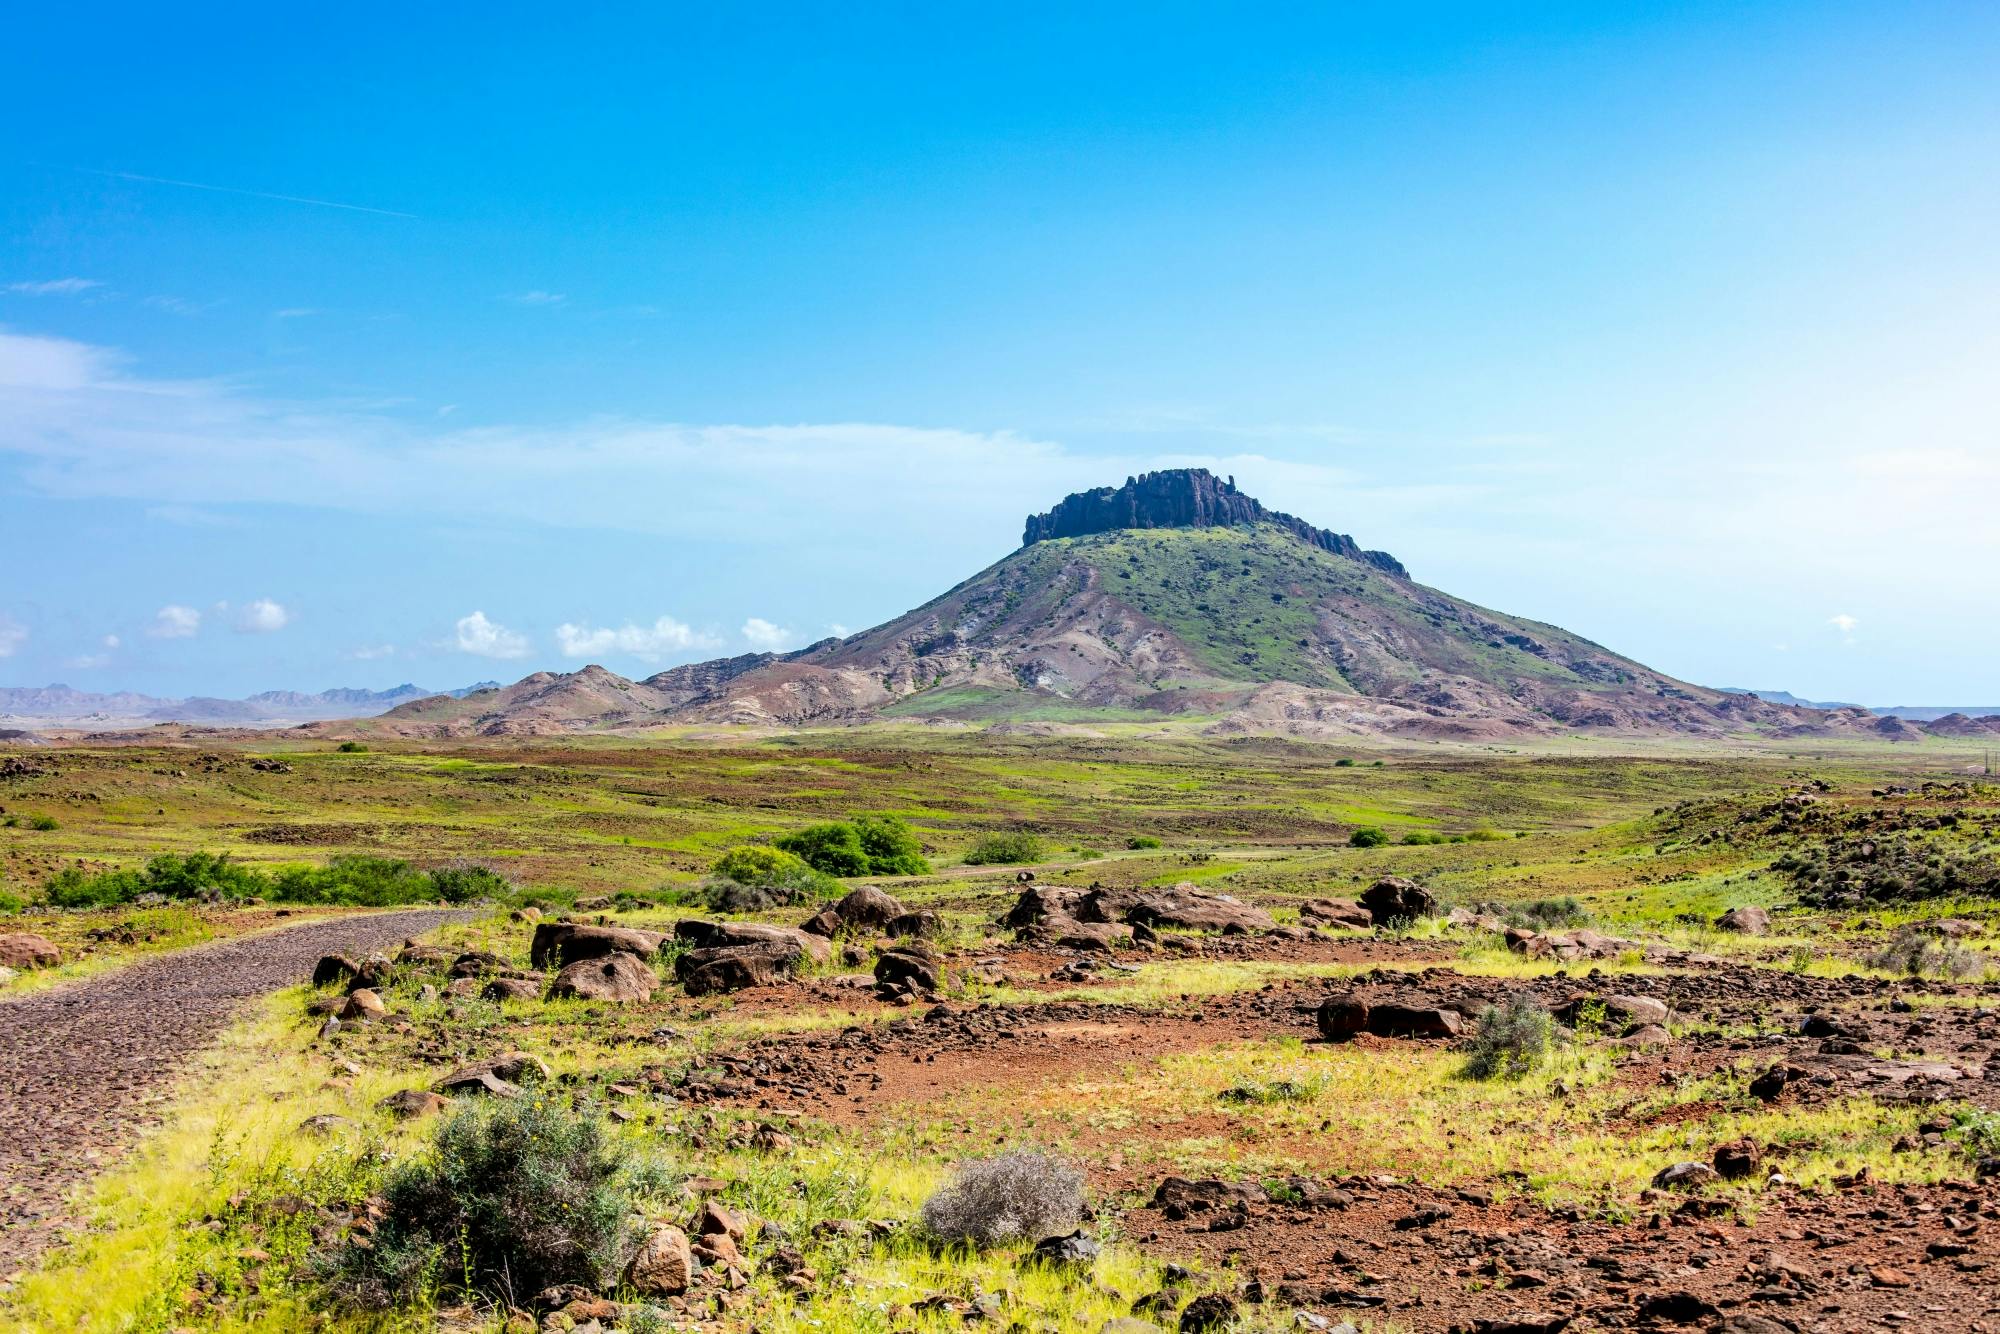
(518,988)
(618,977)
(1393,899)
(335,970)
(729,935)
(1746,920)
(910,968)
(409,1104)
(559,943)
(1345,1016)
(1335,912)
(733,967)
(1621,1014)
(24,949)
(1040,904)
(501,1076)
(1188,909)
(867,909)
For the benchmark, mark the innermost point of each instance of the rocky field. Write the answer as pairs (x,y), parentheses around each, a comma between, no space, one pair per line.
(1674,1044)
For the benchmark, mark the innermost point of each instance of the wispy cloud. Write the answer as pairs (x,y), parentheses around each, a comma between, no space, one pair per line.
(175,621)
(760,634)
(373,652)
(488,639)
(664,638)
(13,634)
(178,305)
(252,194)
(536,298)
(294,313)
(262,617)
(1844,623)
(54,287)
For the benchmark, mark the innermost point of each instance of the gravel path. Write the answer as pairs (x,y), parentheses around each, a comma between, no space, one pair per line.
(83,1066)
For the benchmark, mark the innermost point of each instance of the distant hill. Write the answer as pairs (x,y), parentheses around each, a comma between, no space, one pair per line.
(1174,596)
(1916,713)
(61,703)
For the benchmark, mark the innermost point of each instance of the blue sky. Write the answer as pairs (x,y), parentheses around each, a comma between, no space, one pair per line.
(445,342)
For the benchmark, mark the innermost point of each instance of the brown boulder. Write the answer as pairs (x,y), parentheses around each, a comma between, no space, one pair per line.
(408,1104)
(868,909)
(559,943)
(1188,909)
(1621,1014)
(733,967)
(512,989)
(908,967)
(921,925)
(1038,904)
(499,1075)
(1737,1159)
(1746,920)
(663,1266)
(363,1004)
(1335,912)
(1393,899)
(24,949)
(617,977)
(727,935)
(333,970)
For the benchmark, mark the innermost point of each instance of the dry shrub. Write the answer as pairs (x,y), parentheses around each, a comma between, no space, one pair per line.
(1020,1196)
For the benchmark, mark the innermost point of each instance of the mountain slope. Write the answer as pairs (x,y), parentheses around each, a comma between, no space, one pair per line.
(1174,595)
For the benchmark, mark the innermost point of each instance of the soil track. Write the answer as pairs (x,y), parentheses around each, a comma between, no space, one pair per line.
(82,1065)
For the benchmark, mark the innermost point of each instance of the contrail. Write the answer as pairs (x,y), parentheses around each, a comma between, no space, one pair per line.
(254,194)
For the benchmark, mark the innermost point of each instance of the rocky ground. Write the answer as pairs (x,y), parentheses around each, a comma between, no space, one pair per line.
(82,1066)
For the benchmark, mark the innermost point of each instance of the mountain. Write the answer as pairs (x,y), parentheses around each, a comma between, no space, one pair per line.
(60,703)
(1787,697)
(1979,717)
(1175,596)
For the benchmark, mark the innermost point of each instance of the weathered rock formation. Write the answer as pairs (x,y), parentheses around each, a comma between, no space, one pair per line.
(1185,498)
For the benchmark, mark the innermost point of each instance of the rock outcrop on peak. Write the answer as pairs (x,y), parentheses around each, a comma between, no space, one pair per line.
(1185,498)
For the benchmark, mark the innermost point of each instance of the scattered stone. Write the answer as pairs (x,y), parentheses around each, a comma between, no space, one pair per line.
(1335,912)
(557,944)
(365,1005)
(1073,1251)
(1210,1311)
(1737,1159)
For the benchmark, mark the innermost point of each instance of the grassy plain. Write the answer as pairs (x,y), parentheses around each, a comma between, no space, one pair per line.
(182,1232)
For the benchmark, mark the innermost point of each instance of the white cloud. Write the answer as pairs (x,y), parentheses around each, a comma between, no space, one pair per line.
(650,643)
(838,631)
(373,652)
(111,641)
(295,313)
(536,298)
(262,617)
(13,634)
(174,621)
(1844,623)
(89,662)
(487,639)
(761,634)
(55,287)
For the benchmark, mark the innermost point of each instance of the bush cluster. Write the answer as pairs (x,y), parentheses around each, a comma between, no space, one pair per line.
(1910,951)
(1004,850)
(1512,1039)
(752,879)
(1368,836)
(867,845)
(1020,1196)
(511,1199)
(1142,842)
(370,882)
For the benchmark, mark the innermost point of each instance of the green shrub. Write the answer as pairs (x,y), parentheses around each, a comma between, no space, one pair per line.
(1419,838)
(1512,1039)
(1343,763)
(197,875)
(1543,914)
(355,881)
(751,879)
(1141,842)
(510,1199)
(351,748)
(11,902)
(1368,836)
(46,823)
(468,882)
(1004,849)
(869,845)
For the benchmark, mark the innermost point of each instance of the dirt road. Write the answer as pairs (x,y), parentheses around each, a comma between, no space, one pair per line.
(78,1063)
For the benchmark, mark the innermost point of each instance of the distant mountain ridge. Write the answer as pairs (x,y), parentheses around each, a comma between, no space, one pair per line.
(1174,597)
(1916,713)
(61,703)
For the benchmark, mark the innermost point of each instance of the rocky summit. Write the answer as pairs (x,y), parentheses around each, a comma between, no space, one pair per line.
(1179,598)
(1185,498)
